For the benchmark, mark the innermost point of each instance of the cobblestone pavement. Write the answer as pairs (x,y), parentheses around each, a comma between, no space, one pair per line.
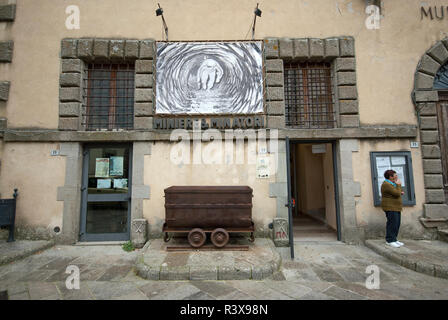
(320,271)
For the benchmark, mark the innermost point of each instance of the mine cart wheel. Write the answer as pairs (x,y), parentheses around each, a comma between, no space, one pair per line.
(196,237)
(219,237)
(252,238)
(166,237)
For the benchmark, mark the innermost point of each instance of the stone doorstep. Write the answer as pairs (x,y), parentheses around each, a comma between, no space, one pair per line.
(4,259)
(258,272)
(100,243)
(431,269)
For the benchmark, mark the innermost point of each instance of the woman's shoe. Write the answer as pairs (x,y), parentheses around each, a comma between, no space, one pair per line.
(400,243)
(393,244)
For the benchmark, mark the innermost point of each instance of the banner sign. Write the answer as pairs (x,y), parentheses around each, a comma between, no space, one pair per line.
(209,78)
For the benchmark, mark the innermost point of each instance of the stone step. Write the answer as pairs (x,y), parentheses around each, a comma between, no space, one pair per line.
(259,262)
(442,234)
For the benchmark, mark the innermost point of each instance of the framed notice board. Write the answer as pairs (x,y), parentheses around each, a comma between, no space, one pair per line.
(399,161)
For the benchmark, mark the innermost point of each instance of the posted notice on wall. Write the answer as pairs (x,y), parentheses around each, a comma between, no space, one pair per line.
(102,168)
(120,183)
(103,183)
(116,166)
(398,161)
(262,167)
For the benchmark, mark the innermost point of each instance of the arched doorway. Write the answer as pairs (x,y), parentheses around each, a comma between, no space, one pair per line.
(431,100)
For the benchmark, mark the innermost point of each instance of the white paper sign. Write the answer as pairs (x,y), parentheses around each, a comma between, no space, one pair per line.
(397,161)
(102,167)
(262,167)
(120,183)
(382,162)
(116,166)
(103,184)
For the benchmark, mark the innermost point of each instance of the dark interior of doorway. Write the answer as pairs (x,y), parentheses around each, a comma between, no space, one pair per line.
(313,190)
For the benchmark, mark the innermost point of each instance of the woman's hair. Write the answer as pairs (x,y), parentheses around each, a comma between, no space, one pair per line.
(389,173)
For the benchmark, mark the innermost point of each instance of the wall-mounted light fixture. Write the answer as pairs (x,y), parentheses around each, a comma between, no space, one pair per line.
(159,12)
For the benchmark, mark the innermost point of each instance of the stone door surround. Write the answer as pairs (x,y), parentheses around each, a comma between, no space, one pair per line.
(425,99)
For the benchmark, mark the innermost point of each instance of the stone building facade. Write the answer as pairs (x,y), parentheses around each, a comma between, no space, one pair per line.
(382,94)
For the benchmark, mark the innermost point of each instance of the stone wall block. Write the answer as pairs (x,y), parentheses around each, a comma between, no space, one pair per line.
(143,81)
(116,49)
(274,65)
(429,137)
(143,123)
(345,64)
(349,121)
(432,166)
(275,93)
(347,92)
(274,79)
(423,81)
(346,78)
(427,108)
(271,48)
(286,48)
(431,151)
(68,124)
(428,65)
(143,95)
(131,49)
(71,65)
(70,80)
(69,109)
(85,49)
(426,96)
(143,109)
(144,66)
(101,48)
(4,90)
(435,195)
(6,51)
(331,48)
(348,106)
(275,108)
(347,46)
(69,48)
(147,49)
(301,49)
(7,12)
(428,123)
(316,49)
(433,181)
(70,95)
(439,53)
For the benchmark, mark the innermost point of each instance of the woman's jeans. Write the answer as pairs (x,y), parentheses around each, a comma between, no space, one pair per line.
(393,225)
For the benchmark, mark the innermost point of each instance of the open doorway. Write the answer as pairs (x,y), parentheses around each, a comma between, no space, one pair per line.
(313,188)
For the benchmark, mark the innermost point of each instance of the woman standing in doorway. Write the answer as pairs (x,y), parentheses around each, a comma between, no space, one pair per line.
(392,205)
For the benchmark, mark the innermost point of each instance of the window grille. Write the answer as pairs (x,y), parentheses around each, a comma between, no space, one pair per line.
(308,95)
(108,92)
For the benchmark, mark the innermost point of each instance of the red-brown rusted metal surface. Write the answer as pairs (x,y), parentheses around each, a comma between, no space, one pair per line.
(208,208)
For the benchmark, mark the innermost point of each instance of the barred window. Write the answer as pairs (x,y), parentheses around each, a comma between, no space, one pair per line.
(108,96)
(308,95)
